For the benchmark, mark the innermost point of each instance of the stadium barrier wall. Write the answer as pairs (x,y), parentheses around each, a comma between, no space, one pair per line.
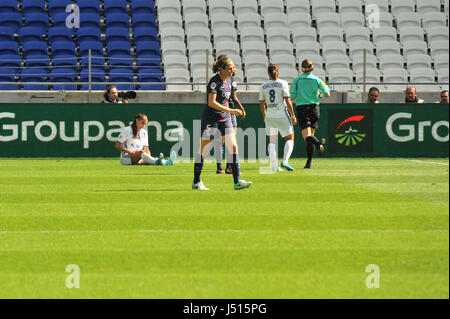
(89,130)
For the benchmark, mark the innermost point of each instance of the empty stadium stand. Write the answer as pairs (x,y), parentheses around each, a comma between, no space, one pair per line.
(149,42)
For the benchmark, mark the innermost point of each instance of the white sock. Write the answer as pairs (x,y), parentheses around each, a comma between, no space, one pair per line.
(149,160)
(288,148)
(273,155)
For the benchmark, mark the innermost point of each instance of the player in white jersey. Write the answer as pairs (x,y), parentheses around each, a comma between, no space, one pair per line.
(133,145)
(275,102)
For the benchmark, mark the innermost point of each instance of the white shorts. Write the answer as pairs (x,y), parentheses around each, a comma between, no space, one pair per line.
(125,160)
(279,124)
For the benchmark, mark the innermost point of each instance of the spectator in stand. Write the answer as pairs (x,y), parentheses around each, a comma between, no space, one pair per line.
(411,96)
(112,96)
(444,97)
(373,96)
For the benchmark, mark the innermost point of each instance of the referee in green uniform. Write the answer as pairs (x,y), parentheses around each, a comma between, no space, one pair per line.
(306,90)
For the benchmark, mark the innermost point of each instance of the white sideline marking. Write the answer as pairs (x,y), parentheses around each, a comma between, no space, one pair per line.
(418,161)
(222,231)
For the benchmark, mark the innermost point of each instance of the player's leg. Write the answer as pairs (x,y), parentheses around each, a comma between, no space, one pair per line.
(287,131)
(218,152)
(272,132)
(229,168)
(198,163)
(233,158)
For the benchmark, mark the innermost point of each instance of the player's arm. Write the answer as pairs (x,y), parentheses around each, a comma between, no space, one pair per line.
(323,88)
(238,103)
(262,107)
(119,147)
(146,150)
(293,89)
(290,109)
(213,104)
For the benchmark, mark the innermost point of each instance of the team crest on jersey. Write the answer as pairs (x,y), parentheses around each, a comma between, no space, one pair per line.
(213,85)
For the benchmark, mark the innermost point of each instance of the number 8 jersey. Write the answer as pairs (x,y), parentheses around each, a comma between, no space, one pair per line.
(274,93)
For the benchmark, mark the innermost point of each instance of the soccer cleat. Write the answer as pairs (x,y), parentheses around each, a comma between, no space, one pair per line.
(228,170)
(242,184)
(287,166)
(322,147)
(161,156)
(220,171)
(200,186)
(172,158)
(308,164)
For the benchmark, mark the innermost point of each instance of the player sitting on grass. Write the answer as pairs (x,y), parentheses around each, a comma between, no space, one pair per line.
(274,94)
(133,145)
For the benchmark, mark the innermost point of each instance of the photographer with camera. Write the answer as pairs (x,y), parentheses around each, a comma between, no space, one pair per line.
(112,95)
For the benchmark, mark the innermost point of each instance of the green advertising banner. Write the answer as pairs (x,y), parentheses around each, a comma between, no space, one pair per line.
(90,130)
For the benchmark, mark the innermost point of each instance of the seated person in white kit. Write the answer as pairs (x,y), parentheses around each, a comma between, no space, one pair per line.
(133,145)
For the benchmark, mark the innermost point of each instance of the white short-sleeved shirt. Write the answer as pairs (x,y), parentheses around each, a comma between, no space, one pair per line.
(274,93)
(128,141)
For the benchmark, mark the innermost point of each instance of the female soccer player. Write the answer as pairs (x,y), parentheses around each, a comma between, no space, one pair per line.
(274,94)
(218,142)
(133,145)
(306,90)
(216,118)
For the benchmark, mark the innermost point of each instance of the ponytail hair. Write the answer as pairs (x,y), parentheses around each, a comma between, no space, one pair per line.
(271,70)
(307,66)
(221,63)
(138,116)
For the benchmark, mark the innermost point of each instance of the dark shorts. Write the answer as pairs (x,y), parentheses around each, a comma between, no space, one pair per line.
(308,116)
(210,129)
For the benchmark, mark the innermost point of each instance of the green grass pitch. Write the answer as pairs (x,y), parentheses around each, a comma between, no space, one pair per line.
(142,232)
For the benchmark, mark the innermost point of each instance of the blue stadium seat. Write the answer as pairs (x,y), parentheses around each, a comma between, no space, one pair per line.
(30,34)
(97,75)
(144,20)
(9,47)
(89,6)
(39,20)
(90,20)
(10,61)
(34,75)
(34,47)
(142,6)
(95,46)
(8,75)
(148,48)
(63,75)
(115,6)
(63,53)
(121,75)
(33,6)
(12,20)
(97,61)
(117,34)
(59,34)
(118,47)
(148,60)
(145,34)
(117,20)
(37,60)
(59,19)
(6,34)
(88,34)
(8,6)
(150,75)
(57,6)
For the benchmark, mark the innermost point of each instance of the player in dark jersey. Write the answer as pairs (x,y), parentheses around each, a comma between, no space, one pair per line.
(216,119)
(218,142)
